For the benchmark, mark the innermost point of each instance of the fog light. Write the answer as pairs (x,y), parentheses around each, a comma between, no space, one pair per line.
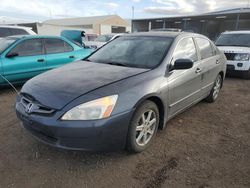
(240,64)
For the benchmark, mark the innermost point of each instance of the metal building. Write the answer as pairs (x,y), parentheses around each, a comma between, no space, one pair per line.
(92,25)
(209,24)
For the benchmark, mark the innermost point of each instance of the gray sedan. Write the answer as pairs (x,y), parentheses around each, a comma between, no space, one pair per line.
(119,96)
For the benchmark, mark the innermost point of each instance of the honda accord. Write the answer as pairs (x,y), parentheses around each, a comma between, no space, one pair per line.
(119,96)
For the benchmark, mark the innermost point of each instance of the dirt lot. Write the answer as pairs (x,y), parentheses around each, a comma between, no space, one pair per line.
(207,146)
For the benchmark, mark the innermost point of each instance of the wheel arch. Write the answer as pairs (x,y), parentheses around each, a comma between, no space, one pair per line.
(222,76)
(160,105)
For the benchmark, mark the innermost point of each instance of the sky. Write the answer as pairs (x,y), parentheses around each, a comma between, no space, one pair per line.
(39,10)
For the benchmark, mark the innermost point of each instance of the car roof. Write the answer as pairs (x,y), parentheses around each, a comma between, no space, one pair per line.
(237,32)
(164,34)
(14,27)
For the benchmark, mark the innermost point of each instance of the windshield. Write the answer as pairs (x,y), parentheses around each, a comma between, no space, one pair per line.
(5,43)
(234,40)
(140,52)
(104,38)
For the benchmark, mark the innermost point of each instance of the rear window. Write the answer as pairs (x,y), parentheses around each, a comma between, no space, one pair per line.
(57,46)
(18,31)
(234,40)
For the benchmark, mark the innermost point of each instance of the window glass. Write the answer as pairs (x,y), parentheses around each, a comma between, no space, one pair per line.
(5,43)
(141,52)
(18,31)
(29,47)
(205,48)
(186,50)
(214,49)
(4,32)
(67,47)
(234,40)
(57,46)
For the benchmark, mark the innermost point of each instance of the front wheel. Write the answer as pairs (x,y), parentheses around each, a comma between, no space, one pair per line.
(212,97)
(143,127)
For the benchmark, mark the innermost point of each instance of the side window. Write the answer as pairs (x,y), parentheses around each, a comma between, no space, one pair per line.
(67,47)
(186,50)
(29,47)
(204,45)
(53,46)
(214,49)
(18,31)
(4,32)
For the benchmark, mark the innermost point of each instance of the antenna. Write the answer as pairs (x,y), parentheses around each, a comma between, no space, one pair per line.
(10,84)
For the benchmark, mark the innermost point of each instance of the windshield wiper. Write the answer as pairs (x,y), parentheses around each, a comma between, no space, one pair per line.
(117,64)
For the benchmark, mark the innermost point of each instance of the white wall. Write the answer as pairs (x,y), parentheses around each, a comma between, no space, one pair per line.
(105,29)
(54,30)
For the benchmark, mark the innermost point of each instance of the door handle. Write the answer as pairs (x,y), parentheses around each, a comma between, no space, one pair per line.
(198,70)
(217,62)
(71,56)
(40,60)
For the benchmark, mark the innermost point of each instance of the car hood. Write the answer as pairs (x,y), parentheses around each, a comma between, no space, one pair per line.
(234,49)
(58,87)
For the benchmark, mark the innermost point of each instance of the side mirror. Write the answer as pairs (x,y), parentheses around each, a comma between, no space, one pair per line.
(12,54)
(182,64)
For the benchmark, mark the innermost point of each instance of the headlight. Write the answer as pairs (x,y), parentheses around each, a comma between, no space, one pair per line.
(96,109)
(241,57)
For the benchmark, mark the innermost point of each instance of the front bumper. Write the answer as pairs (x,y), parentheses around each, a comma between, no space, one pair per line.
(99,135)
(232,70)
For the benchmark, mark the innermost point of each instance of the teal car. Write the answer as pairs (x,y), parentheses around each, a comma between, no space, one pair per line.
(23,57)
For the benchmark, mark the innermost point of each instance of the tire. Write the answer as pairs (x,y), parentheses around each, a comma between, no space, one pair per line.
(141,131)
(214,93)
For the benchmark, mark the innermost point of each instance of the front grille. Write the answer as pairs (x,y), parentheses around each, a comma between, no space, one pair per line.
(230,56)
(32,106)
(230,67)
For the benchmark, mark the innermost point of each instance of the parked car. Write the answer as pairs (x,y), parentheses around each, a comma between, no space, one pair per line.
(166,29)
(23,57)
(122,93)
(6,31)
(101,40)
(89,37)
(236,46)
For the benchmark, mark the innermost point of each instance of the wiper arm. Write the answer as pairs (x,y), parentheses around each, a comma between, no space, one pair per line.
(118,64)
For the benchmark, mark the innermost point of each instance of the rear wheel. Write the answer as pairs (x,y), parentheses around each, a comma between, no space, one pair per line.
(143,127)
(212,97)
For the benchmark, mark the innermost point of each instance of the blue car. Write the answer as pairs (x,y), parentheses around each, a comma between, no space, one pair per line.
(23,57)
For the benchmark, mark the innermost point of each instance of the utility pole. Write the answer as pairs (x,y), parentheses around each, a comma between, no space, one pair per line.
(133,12)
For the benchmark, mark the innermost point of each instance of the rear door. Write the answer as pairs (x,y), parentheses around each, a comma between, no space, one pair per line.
(58,52)
(184,85)
(29,62)
(210,60)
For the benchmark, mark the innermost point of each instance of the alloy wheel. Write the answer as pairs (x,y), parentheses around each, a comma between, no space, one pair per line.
(146,127)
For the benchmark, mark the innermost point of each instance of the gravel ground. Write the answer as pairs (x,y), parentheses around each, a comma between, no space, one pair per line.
(206,146)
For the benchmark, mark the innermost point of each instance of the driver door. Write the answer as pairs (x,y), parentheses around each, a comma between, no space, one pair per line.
(184,85)
(28,61)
